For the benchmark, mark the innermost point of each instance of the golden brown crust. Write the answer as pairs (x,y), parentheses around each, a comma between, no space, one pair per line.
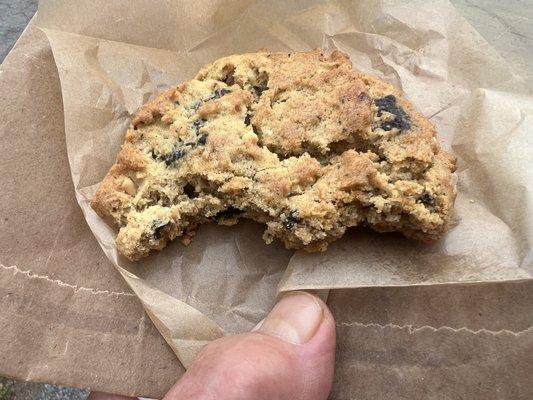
(300,142)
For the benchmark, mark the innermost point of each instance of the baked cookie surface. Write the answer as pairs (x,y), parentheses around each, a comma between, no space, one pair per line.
(300,142)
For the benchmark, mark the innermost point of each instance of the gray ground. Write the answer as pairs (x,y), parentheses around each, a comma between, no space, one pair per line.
(19,390)
(14,16)
(502,23)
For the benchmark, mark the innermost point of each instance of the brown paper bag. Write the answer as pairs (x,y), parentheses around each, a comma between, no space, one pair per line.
(457,336)
(66,315)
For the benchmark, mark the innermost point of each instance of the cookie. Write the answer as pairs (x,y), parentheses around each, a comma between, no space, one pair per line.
(300,142)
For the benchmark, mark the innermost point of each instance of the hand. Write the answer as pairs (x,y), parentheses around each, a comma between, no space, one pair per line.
(287,356)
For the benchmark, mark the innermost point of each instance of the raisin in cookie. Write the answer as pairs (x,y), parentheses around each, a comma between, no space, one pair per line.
(300,142)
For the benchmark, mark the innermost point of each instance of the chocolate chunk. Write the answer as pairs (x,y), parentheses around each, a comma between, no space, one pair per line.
(198,124)
(426,198)
(202,140)
(290,220)
(219,93)
(157,227)
(386,103)
(387,126)
(180,150)
(401,119)
(175,155)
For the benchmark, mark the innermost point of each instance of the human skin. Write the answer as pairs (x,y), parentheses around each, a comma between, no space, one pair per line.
(287,356)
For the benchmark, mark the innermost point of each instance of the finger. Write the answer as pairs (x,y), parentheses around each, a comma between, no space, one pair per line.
(108,396)
(289,356)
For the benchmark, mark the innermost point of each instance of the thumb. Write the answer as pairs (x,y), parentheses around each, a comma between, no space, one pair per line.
(288,356)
